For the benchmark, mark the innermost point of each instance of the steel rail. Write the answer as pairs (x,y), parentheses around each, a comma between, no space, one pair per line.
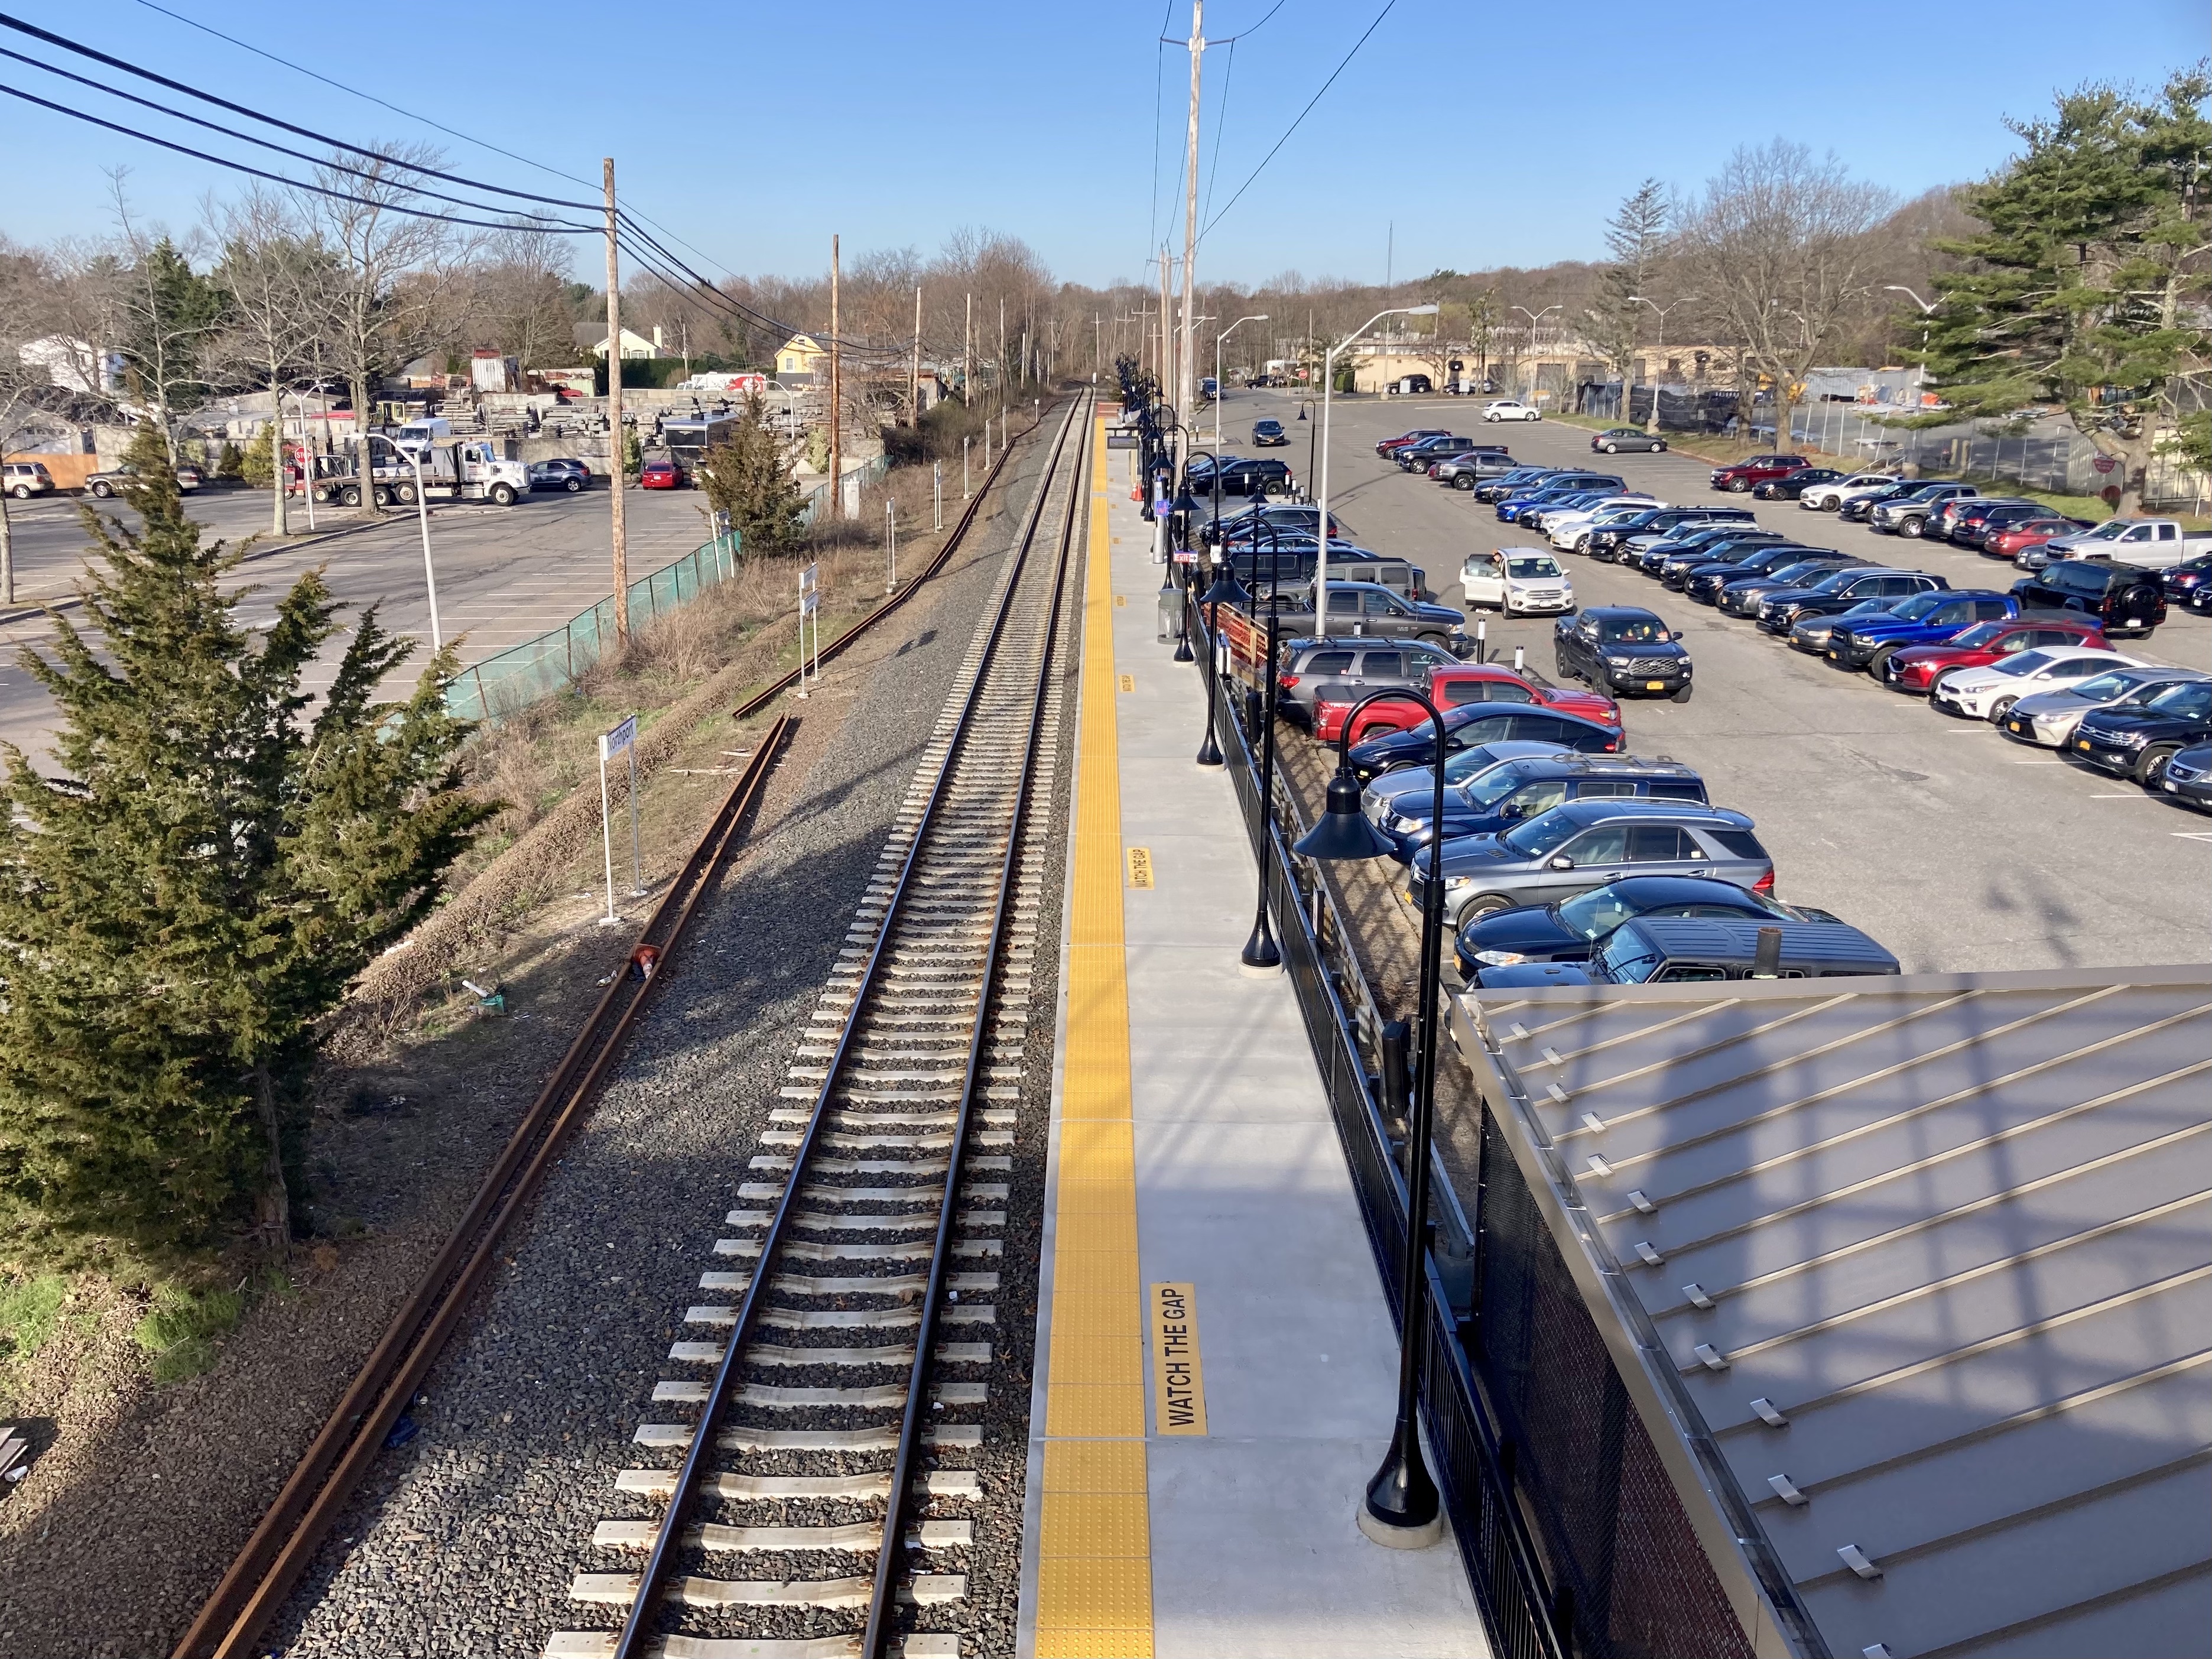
(639,1632)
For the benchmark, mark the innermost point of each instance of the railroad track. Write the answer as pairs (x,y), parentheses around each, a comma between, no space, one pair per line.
(283,1543)
(801,1521)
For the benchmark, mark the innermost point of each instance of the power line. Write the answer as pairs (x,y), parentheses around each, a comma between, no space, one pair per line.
(1159,61)
(1387,7)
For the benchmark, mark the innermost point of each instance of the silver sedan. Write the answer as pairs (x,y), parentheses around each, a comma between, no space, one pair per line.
(2048,718)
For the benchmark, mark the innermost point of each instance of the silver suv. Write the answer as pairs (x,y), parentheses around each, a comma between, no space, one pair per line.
(28,478)
(1376,666)
(1587,843)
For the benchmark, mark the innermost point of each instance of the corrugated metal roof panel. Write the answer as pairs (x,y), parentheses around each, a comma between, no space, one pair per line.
(1920,1268)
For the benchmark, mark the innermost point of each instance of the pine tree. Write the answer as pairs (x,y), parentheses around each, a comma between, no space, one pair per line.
(748,478)
(1636,237)
(2086,286)
(200,883)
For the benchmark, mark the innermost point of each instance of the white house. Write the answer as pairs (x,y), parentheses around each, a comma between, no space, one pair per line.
(73,365)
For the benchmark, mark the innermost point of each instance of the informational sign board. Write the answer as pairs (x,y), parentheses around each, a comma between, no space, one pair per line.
(622,740)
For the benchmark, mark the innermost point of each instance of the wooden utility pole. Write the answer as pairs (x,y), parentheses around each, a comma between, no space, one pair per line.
(1186,346)
(615,446)
(917,360)
(968,356)
(837,395)
(1166,364)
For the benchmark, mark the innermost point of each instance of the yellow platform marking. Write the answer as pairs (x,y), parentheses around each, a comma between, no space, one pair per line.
(1128,682)
(1178,1371)
(1140,866)
(1120,600)
(1094,1543)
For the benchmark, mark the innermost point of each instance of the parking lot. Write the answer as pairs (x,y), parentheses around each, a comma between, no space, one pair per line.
(1960,848)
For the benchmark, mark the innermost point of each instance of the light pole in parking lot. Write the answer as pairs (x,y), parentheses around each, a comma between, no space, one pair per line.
(1328,388)
(1400,1510)
(1920,379)
(1261,317)
(1658,360)
(1535,321)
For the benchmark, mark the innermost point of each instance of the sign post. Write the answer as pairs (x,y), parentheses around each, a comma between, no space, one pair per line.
(622,740)
(810,605)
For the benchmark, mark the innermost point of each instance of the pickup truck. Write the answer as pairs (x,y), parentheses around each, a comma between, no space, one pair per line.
(2146,544)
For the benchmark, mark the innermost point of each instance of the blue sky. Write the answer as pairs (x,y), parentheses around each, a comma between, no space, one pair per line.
(1486,136)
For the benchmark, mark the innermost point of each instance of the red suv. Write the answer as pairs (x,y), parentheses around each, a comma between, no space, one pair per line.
(1742,476)
(1915,668)
(1455,688)
(2015,538)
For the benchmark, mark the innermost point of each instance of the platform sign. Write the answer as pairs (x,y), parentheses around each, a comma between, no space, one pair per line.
(622,740)
(1178,1371)
(810,608)
(1121,439)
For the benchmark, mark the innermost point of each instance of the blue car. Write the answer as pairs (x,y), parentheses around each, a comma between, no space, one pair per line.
(1480,723)
(1522,788)
(1930,619)
(1511,509)
(1521,480)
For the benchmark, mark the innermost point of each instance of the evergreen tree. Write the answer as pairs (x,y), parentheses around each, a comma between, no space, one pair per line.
(199,884)
(2088,285)
(750,478)
(1636,237)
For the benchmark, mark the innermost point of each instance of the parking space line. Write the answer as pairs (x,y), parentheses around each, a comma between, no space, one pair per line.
(2135,794)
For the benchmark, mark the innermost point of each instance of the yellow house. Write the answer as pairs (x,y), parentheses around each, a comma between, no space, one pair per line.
(801,355)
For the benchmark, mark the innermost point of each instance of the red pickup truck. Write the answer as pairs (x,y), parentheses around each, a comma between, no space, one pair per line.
(1453,688)
(1745,475)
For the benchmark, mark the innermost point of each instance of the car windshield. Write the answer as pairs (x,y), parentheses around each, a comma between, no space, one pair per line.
(1539,835)
(1494,785)
(1979,635)
(1634,631)
(2111,530)
(2190,700)
(2105,687)
(1869,608)
(1919,605)
(1596,914)
(1629,960)
(1539,565)
(1787,574)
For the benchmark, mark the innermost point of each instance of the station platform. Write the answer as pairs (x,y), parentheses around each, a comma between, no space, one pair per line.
(1216,1364)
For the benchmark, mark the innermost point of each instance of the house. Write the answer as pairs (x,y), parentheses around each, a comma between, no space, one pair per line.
(592,339)
(799,359)
(73,364)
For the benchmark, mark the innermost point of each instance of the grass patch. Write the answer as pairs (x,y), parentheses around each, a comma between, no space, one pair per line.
(182,1330)
(30,1314)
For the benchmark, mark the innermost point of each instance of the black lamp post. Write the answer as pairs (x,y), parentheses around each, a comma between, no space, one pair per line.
(1226,590)
(1261,954)
(1401,1511)
(1180,543)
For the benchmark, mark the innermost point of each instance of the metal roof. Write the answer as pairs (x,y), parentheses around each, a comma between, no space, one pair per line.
(1911,1279)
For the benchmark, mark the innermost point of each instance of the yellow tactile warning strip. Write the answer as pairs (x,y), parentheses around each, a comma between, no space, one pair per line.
(1094,1538)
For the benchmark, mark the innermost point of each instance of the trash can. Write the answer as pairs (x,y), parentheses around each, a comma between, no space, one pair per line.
(1171,611)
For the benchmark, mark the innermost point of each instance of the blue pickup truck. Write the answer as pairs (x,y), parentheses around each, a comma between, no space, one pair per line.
(1928,619)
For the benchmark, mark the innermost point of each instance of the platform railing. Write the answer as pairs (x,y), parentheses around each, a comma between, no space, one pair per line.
(1344,1025)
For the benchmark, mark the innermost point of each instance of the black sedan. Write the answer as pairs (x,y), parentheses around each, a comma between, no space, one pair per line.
(1790,485)
(1571,930)
(1480,722)
(1268,432)
(1622,649)
(2140,738)
(1630,439)
(571,476)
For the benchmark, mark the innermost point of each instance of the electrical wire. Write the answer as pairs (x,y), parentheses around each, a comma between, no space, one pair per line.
(1221,120)
(1159,69)
(1387,6)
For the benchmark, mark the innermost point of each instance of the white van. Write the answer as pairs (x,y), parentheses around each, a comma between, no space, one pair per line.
(418,435)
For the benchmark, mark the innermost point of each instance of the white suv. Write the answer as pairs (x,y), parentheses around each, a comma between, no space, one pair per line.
(1521,581)
(28,478)
(1508,409)
(1827,497)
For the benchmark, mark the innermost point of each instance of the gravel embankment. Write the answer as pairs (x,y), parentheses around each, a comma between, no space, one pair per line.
(465,1541)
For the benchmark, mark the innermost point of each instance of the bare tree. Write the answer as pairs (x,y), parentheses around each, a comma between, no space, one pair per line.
(164,313)
(1778,247)
(518,299)
(25,280)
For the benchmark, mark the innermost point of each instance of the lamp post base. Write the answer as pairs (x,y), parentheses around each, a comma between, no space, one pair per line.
(1400,1509)
(1391,1536)
(1261,956)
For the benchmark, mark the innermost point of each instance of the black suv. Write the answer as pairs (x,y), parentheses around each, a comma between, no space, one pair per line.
(2138,738)
(1607,545)
(1667,951)
(1704,582)
(1840,591)
(1671,558)
(2125,600)
(1265,433)
(1256,475)
(1620,649)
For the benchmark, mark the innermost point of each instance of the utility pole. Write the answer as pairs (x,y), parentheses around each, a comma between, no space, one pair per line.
(968,361)
(1097,344)
(1187,347)
(1165,364)
(917,359)
(615,446)
(837,395)
(1000,379)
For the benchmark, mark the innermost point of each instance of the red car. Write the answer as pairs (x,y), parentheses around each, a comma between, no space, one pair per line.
(2009,542)
(1915,668)
(1390,446)
(1741,478)
(1452,688)
(660,474)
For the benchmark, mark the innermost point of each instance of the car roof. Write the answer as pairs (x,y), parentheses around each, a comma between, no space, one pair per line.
(1609,766)
(1684,890)
(1804,944)
(1482,670)
(1639,806)
(1621,613)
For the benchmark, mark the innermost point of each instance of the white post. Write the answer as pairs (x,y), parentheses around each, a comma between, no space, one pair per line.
(890,549)
(429,572)
(636,847)
(606,833)
(937,494)
(964,491)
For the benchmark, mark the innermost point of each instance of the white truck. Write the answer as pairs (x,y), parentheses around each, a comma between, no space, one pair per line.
(451,469)
(2146,544)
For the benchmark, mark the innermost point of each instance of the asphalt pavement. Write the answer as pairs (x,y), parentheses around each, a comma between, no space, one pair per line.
(1960,848)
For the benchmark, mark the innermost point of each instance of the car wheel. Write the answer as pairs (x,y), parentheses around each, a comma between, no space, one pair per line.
(405,492)
(1740,486)
(1613,449)
(573,485)
(1913,529)
(1481,905)
(103,490)
(2000,708)
(21,492)
(1659,449)
(2150,770)
(1878,664)
(352,495)
(1462,483)
(1683,696)
(1440,640)
(383,495)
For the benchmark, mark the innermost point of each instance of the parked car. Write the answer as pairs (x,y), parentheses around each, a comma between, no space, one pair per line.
(2183,582)
(1388,446)
(1670,559)
(1740,477)
(1743,596)
(1633,439)
(1915,668)
(25,479)
(1651,951)
(1519,581)
(1553,489)
(1989,693)
(1471,470)
(1510,409)
(661,475)
(1907,515)
(1475,723)
(1381,798)
(1457,685)
(1419,457)
(2124,598)
(569,475)
(1828,496)
(1571,531)
(1812,630)
(1704,582)
(1281,575)
(1569,930)
(1947,514)
(117,479)
(1369,608)
(1582,844)
(1522,789)
(1267,433)
(2188,777)
(1975,521)
(1514,480)
(1249,523)
(1620,649)
(1859,508)
(2146,543)
(1790,485)
(1304,665)
(2047,719)
(1928,620)
(2026,542)
(1252,475)
(1840,590)
(2139,739)
(1610,545)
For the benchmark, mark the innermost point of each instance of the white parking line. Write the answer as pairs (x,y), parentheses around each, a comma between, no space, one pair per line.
(2039,763)
(2193,834)
(2137,794)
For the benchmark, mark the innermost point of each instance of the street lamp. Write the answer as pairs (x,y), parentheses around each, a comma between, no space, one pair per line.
(1262,955)
(1658,358)
(1535,318)
(1920,381)
(1261,317)
(1226,590)
(1400,1510)
(1328,391)
(429,572)
(1183,510)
